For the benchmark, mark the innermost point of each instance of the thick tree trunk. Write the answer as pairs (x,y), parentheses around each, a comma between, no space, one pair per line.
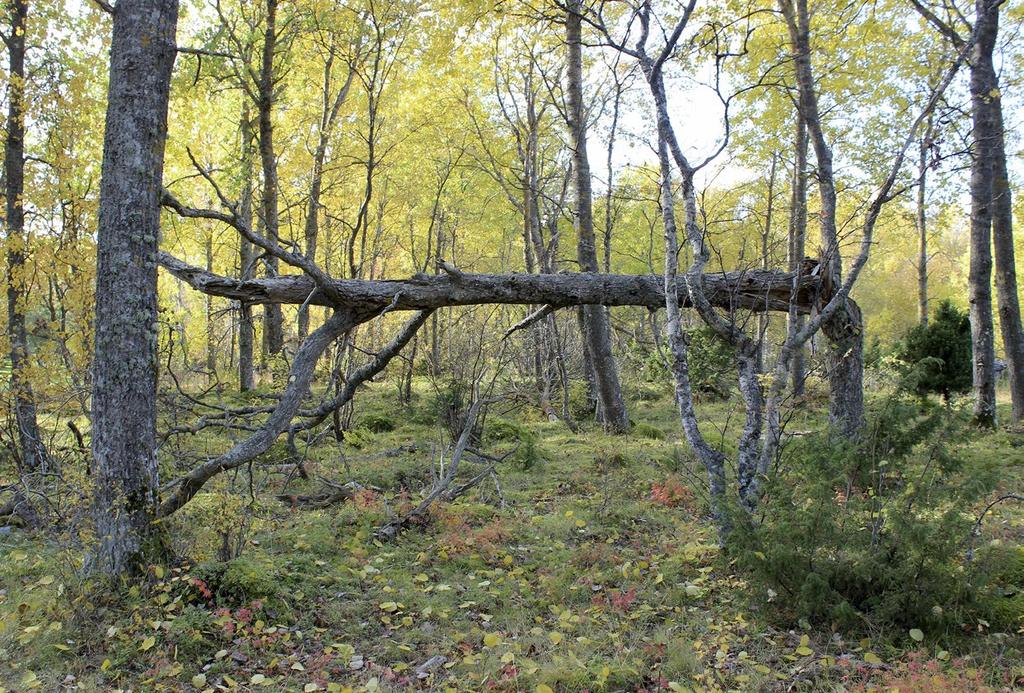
(797,242)
(598,329)
(273,325)
(844,328)
(984,133)
(1007,298)
(124,368)
(845,334)
(32,449)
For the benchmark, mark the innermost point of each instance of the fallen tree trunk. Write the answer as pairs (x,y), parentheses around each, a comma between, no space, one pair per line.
(754,289)
(357,301)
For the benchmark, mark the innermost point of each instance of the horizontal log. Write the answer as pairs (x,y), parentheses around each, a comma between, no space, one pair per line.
(754,289)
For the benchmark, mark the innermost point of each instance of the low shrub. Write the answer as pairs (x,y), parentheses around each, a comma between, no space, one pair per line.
(938,355)
(191,633)
(848,527)
(237,582)
(503,432)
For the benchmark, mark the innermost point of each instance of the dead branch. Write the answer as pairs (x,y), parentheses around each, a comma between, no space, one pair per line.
(332,494)
(391,529)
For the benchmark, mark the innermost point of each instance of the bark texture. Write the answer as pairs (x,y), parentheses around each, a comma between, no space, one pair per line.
(31,447)
(983,134)
(597,333)
(124,368)
(1007,296)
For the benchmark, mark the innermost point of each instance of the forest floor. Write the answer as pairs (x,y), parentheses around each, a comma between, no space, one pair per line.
(592,569)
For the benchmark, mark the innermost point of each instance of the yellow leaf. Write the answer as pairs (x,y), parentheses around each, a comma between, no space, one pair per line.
(555,637)
(804,651)
(872,658)
(199,680)
(544,688)
(106,665)
(148,643)
(257,679)
(492,640)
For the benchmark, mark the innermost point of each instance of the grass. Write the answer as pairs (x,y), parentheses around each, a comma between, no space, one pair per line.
(586,579)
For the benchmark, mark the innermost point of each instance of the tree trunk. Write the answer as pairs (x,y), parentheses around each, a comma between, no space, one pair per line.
(844,328)
(33,451)
(1006,269)
(984,133)
(766,233)
(797,242)
(922,225)
(273,319)
(211,342)
(142,55)
(598,333)
(246,259)
(328,116)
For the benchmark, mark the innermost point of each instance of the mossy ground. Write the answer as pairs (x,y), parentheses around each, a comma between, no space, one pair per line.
(580,575)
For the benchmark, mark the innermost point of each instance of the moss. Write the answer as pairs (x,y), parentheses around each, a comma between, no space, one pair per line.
(1001,580)
(376,423)
(642,430)
(245,580)
(237,582)
(359,437)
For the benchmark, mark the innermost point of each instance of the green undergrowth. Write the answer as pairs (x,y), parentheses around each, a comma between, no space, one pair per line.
(592,568)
